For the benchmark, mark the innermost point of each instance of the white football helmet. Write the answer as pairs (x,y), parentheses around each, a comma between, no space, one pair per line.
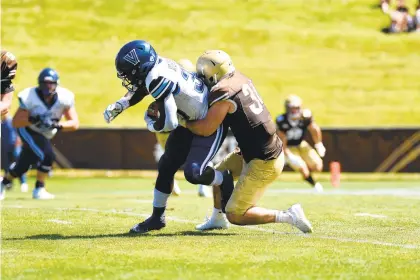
(293,105)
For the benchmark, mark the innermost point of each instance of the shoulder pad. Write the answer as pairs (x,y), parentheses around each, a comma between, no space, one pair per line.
(66,96)
(280,118)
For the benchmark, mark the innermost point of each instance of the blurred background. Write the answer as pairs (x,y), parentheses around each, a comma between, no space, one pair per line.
(355,64)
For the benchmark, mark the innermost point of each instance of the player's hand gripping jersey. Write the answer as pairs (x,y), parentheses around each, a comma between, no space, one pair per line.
(32,101)
(251,123)
(183,94)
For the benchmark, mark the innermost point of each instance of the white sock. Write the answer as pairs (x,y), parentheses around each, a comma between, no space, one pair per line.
(283,217)
(218,178)
(217,213)
(160,198)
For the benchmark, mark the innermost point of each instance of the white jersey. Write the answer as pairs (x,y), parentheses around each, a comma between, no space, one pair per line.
(189,92)
(31,101)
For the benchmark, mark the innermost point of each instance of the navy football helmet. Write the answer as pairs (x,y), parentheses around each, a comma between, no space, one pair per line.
(133,62)
(48,80)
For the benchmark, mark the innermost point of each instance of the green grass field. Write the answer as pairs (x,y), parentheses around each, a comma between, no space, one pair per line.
(363,230)
(329,52)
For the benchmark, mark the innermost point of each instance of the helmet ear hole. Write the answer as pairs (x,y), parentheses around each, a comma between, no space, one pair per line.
(211,79)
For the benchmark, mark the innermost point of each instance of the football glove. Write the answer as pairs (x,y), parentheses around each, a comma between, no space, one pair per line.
(320,149)
(112,111)
(36,120)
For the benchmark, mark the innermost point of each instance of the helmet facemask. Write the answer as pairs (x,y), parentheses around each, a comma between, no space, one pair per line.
(293,107)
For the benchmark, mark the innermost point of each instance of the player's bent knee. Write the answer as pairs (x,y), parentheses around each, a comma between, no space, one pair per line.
(192,174)
(235,219)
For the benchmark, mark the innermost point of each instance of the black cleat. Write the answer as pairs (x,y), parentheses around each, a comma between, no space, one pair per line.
(151,223)
(226,188)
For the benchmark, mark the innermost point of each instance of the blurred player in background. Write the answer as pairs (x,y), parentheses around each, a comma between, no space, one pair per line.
(162,137)
(9,140)
(11,147)
(291,128)
(37,121)
(8,72)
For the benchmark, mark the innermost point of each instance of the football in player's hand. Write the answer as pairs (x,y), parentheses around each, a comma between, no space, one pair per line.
(153,110)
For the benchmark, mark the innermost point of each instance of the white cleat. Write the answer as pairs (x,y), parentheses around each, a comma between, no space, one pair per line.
(41,193)
(299,219)
(204,191)
(24,187)
(176,190)
(3,192)
(219,222)
(318,188)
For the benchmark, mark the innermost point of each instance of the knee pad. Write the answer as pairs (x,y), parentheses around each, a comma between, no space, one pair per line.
(166,172)
(46,164)
(17,170)
(192,174)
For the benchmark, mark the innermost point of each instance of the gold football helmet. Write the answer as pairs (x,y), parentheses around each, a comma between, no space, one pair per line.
(186,64)
(293,106)
(213,65)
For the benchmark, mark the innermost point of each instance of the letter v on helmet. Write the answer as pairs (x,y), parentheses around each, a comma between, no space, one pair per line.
(132,57)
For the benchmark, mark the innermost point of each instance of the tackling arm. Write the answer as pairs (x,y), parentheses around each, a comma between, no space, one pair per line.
(213,119)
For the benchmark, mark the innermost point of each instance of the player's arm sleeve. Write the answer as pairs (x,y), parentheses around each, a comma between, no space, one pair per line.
(7,87)
(161,87)
(137,96)
(217,94)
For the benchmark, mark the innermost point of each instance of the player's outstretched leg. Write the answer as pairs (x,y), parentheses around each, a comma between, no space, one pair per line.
(241,209)
(176,151)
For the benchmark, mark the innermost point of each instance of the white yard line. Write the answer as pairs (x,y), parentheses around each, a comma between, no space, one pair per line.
(370,215)
(255,228)
(60,222)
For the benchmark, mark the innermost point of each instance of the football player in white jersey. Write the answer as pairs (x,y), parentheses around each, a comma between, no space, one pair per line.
(37,120)
(182,96)
(162,137)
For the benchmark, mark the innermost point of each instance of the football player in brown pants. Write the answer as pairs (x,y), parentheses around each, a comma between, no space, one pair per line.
(291,128)
(234,101)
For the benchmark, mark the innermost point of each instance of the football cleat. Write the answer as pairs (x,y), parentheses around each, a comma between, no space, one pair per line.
(149,224)
(41,193)
(299,218)
(318,187)
(204,191)
(218,222)
(24,187)
(2,192)
(176,190)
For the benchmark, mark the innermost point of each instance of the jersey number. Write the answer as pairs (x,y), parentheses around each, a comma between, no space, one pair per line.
(294,134)
(198,84)
(257,103)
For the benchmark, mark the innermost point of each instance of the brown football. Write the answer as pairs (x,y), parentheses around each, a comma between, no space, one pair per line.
(156,111)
